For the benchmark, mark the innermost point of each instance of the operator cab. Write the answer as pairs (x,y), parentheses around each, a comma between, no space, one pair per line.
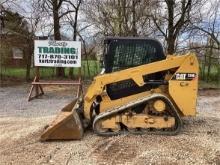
(122,53)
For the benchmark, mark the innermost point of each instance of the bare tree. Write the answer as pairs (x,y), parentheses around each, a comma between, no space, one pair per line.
(172,19)
(208,21)
(58,8)
(5,1)
(33,20)
(117,18)
(23,25)
(205,30)
(73,22)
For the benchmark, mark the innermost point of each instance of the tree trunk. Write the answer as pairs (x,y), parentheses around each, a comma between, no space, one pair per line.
(29,57)
(205,61)
(171,37)
(28,68)
(134,29)
(87,61)
(209,60)
(56,20)
(120,18)
(171,45)
(74,38)
(204,65)
(218,79)
(124,15)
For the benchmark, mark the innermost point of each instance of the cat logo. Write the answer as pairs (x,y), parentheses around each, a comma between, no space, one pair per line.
(180,76)
(184,76)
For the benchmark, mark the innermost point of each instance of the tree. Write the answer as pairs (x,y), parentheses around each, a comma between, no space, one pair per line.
(170,20)
(58,8)
(208,21)
(73,23)
(206,29)
(33,20)
(117,18)
(19,26)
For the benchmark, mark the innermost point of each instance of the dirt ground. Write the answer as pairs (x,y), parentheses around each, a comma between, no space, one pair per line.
(22,122)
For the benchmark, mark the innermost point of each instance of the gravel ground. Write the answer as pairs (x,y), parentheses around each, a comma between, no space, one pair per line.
(22,122)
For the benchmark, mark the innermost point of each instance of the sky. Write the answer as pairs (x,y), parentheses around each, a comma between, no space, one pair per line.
(24,8)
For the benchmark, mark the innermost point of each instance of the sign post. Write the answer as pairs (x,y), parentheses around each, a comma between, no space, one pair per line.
(51,53)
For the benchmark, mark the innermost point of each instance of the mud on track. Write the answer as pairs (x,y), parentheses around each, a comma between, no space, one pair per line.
(22,122)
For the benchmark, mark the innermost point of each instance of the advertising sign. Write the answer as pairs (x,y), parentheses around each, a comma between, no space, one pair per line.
(57,53)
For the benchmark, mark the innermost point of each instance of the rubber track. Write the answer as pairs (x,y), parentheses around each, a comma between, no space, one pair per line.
(110,113)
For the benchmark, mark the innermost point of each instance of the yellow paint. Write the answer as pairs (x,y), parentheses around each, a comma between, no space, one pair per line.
(183,93)
(159,105)
(138,121)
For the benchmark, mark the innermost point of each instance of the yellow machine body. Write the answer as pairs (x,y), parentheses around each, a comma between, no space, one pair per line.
(180,94)
(181,91)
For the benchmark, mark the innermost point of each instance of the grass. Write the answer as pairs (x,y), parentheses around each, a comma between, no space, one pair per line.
(214,75)
(94,68)
(48,72)
(211,81)
(213,84)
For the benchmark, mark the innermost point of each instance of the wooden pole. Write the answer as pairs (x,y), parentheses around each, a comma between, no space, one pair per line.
(37,73)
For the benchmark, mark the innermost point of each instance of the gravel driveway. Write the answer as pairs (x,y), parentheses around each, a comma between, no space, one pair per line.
(22,122)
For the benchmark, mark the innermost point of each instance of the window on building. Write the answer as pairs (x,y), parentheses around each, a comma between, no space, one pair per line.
(17,53)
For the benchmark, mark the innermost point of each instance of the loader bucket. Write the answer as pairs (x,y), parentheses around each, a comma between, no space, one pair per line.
(66,126)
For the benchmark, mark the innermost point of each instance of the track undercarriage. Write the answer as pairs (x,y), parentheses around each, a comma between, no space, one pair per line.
(154,114)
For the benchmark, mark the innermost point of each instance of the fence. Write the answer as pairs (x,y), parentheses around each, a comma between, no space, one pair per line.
(18,73)
(210,69)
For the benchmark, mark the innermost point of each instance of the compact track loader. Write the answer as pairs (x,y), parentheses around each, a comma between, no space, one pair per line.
(140,91)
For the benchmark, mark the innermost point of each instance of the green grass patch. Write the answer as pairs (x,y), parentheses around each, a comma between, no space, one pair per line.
(203,84)
(93,70)
(88,70)
(214,74)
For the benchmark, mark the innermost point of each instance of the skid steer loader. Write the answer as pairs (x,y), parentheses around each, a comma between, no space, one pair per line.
(140,91)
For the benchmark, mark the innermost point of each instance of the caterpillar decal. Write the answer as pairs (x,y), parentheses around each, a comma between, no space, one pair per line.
(184,76)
